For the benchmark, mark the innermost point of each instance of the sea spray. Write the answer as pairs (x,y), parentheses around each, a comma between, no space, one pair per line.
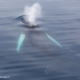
(32,13)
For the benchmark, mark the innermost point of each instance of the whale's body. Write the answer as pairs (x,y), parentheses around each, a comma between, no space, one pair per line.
(35,36)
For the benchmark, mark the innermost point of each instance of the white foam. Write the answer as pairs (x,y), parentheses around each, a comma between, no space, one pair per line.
(32,13)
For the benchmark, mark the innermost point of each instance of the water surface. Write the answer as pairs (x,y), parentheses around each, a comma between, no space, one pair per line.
(61,20)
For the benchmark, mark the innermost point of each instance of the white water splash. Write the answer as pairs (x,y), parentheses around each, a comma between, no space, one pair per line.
(32,13)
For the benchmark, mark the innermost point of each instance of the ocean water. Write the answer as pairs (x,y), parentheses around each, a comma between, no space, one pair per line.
(61,20)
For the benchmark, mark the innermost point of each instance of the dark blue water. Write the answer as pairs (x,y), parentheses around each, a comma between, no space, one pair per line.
(61,20)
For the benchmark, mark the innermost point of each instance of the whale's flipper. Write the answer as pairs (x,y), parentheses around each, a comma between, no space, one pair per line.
(53,40)
(20,41)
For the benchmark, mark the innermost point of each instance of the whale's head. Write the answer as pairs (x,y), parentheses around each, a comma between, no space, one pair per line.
(29,24)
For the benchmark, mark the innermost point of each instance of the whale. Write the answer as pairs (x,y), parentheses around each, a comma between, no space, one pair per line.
(35,35)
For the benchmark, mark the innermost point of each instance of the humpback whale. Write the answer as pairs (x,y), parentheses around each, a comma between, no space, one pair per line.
(32,32)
